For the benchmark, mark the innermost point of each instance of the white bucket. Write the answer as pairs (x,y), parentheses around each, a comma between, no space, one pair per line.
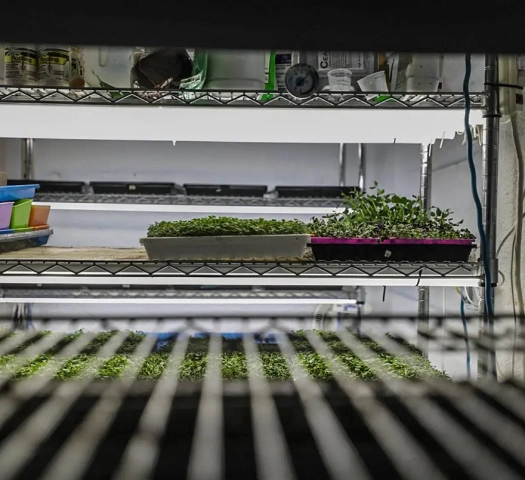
(235,70)
(111,65)
(422,84)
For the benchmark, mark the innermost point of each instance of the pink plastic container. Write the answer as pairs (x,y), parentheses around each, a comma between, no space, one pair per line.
(5,214)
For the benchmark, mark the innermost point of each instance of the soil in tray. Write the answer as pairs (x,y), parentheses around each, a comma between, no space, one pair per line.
(381,252)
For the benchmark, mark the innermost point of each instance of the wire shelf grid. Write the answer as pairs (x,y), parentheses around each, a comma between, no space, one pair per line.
(291,429)
(266,99)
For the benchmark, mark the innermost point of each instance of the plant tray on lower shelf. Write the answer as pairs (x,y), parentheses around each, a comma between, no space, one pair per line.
(315,192)
(226,190)
(137,188)
(233,360)
(392,250)
(227,247)
(16,240)
(50,186)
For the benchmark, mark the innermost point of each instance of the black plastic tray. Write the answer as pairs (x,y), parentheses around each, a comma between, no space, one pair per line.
(133,188)
(391,252)
(226,190)
(11,242)
(316,192)
(50,186)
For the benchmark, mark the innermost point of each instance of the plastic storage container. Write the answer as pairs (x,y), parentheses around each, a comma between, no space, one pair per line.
(20,214)
(225,247)
(393,250)
(11,241)
(39,215)
(12,193)
(6,209)
(226,190)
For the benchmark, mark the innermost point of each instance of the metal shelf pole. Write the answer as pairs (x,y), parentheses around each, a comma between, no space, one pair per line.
(423,308)
(342,164)
(362,166)
(21,310)
(28,149)
(490,146)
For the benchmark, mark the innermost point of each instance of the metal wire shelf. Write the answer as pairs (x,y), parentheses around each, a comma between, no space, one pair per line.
(135,97)
(300,273)
(130,429)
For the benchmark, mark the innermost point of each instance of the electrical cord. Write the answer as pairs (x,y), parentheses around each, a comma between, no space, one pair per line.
(514,313)
(479,209)
(463,294)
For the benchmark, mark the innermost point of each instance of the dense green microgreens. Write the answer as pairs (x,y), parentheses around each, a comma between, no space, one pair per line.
(234,362)
(216,226)
(382,216)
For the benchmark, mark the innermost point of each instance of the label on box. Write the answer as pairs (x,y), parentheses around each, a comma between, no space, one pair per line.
(267,60)
(283,61)
(354,61)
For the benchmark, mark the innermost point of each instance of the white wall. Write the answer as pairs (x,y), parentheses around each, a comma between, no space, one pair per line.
(394,167)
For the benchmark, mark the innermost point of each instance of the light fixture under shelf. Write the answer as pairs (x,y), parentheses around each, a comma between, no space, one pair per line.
(416,125)
(167,296)
(204,209)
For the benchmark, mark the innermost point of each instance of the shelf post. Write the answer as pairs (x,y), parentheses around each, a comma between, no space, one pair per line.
(423,301)
(342,164)
(490,150)
(361,182)
(28,149)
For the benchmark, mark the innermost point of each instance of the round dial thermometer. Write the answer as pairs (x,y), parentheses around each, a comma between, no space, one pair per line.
(301,80)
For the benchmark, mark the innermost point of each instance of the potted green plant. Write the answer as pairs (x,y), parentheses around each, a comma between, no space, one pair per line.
(226,238)
(378,226)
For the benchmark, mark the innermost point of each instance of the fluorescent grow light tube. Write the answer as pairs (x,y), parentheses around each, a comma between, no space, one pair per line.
(208,209)
(300,280)
(216,124)
(181,301)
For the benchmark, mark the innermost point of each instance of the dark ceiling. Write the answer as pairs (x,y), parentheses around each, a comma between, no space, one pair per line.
(429,26)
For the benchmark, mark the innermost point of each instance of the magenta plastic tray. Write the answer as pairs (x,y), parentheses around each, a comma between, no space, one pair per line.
(390,241)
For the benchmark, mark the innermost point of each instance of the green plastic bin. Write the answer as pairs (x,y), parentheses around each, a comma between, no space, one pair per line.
(20,214)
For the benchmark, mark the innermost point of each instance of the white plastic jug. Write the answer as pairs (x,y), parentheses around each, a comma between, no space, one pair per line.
(110,65)
(235,70)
